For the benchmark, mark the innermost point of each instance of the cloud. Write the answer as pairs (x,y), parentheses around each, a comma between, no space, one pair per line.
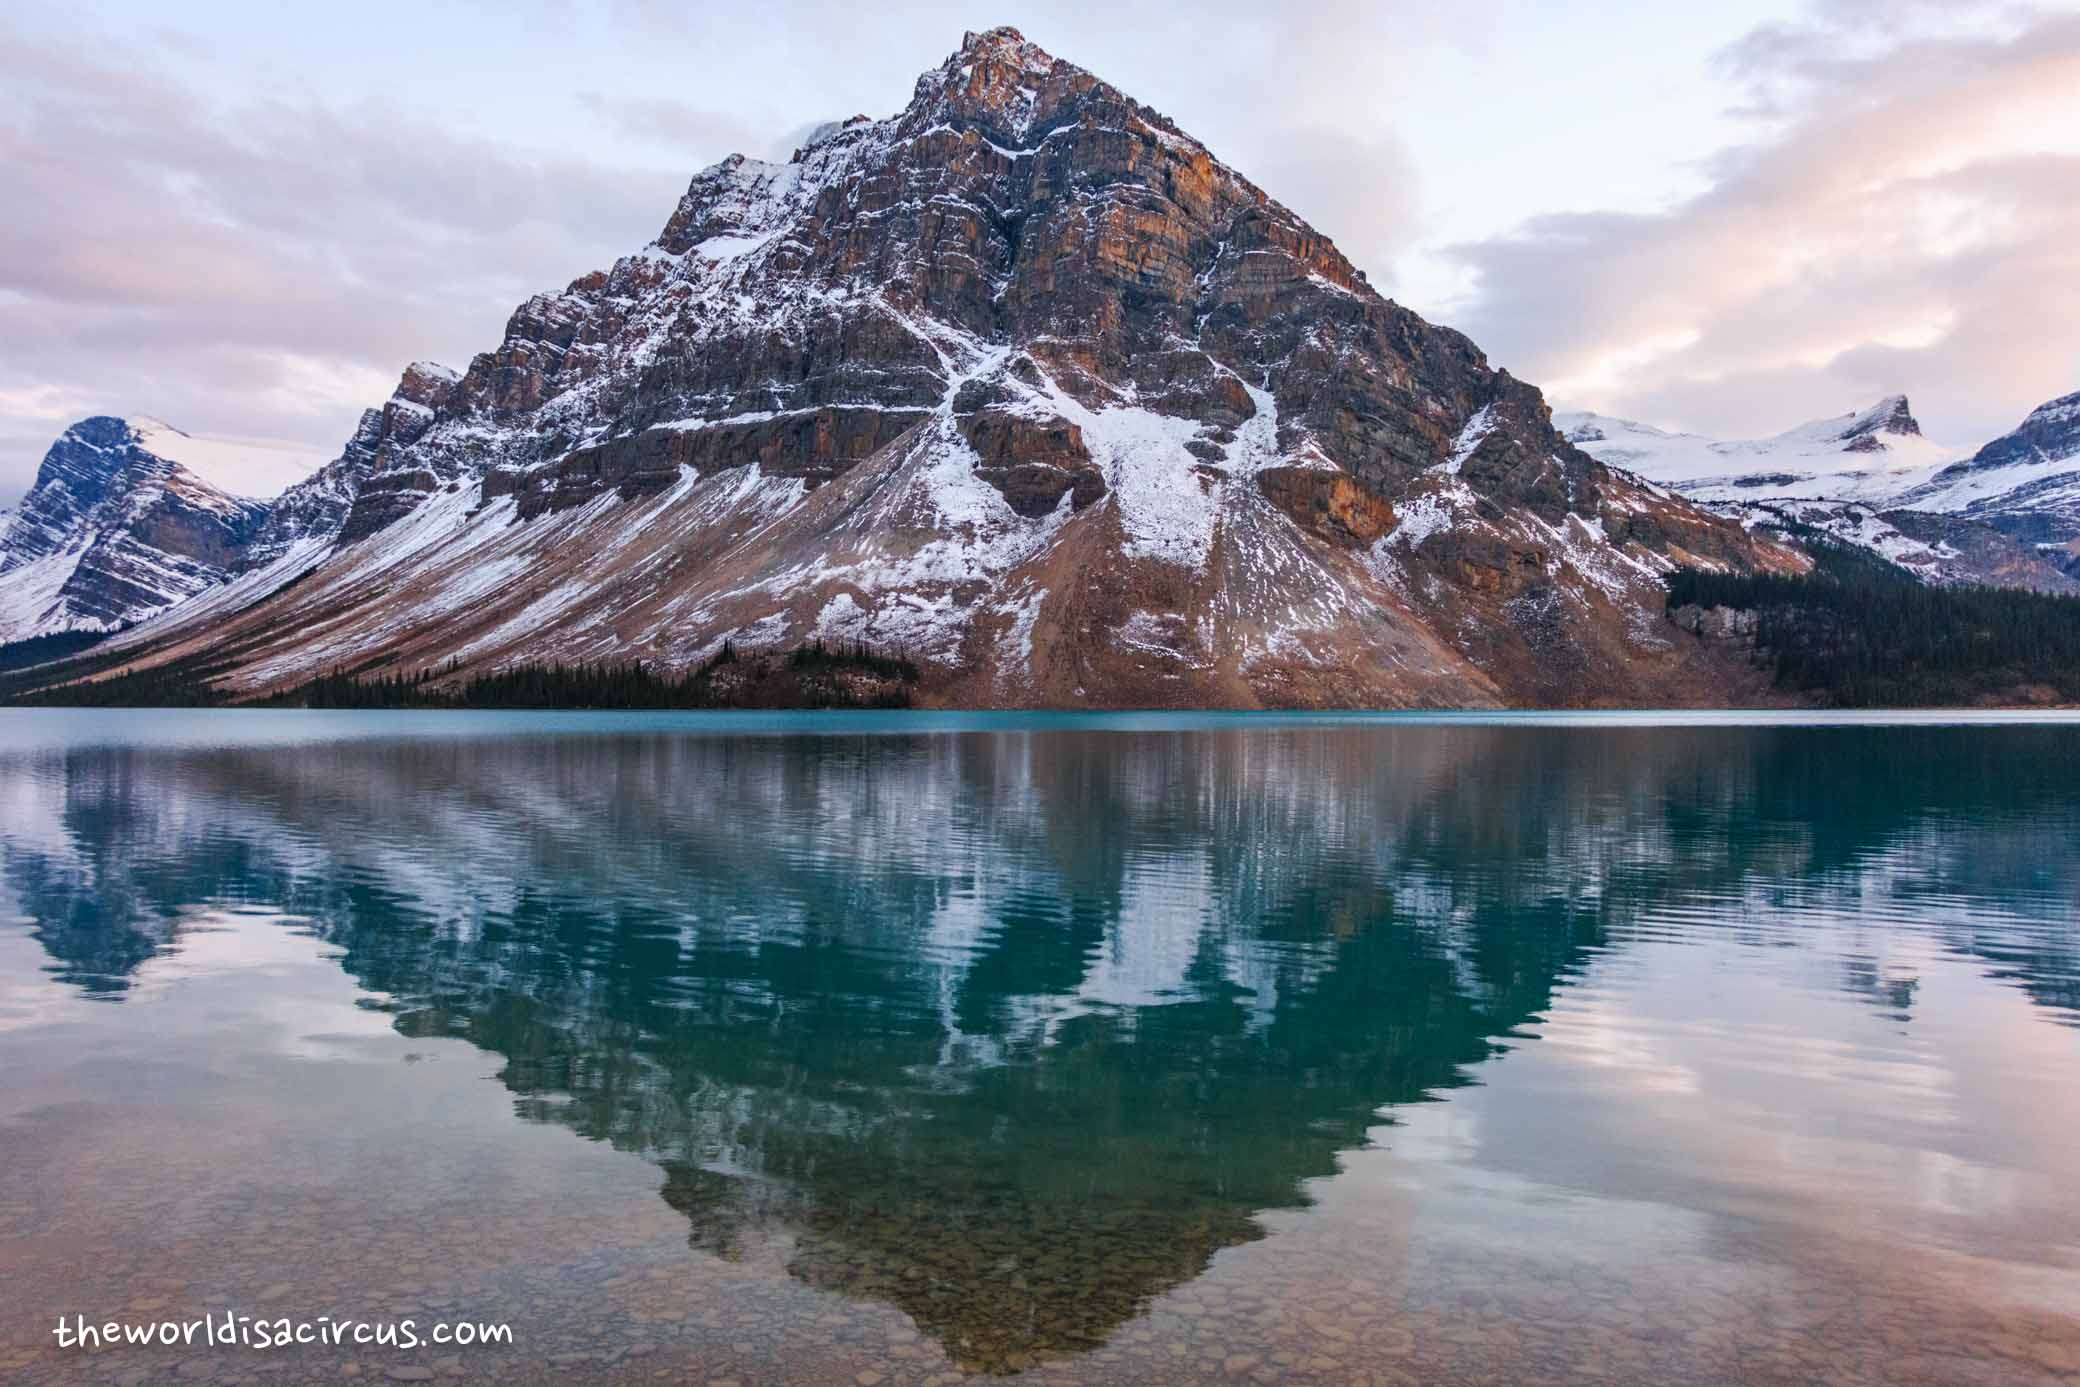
(266,269)
(1907,219)
(698,132)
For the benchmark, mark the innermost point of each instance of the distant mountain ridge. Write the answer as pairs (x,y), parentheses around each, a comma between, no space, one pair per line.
(125,522)
(2007,514)
(1872,455)
(2025,483)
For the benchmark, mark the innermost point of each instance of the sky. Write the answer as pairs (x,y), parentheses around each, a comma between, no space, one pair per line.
(246,219)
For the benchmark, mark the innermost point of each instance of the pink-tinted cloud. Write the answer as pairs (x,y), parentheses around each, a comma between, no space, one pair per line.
(265,269)
(1908,220)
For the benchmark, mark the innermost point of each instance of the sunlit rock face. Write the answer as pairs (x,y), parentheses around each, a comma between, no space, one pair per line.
(1021,381)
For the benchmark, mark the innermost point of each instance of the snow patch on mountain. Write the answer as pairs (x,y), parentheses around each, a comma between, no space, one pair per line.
(1470,437)
(32,595)
(1876,454)
(240,467)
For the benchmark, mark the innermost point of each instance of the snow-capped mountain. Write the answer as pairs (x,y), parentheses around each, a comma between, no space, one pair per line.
(1021,381)
(2025,483)
(1873,456)
(2008,515)
(116,528)
(92,546)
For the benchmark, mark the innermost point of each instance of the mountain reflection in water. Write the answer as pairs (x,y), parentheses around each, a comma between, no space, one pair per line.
(1014,1031)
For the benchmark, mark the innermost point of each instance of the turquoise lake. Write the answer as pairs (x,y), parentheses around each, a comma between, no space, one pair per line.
(895,1048)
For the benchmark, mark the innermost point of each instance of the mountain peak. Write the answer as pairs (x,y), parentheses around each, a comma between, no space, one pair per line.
(1004,44)
(2065,410)
(115,529)
(1020,381)
(426,383)
(2051,434)
(1000,82)
(1890,415)
(106,434)
(2026,482)
(1002,36)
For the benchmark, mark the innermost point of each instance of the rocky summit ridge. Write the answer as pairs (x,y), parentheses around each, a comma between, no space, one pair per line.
(1020,381)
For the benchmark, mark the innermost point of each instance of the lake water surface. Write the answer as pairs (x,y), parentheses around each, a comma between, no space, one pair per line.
(884,1048)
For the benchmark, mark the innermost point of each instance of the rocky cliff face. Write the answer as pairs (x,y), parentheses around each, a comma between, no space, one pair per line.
(1025,383)
(113,532)
(310,517)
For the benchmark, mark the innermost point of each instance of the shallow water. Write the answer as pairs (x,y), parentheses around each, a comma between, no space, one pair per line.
(883,1048)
